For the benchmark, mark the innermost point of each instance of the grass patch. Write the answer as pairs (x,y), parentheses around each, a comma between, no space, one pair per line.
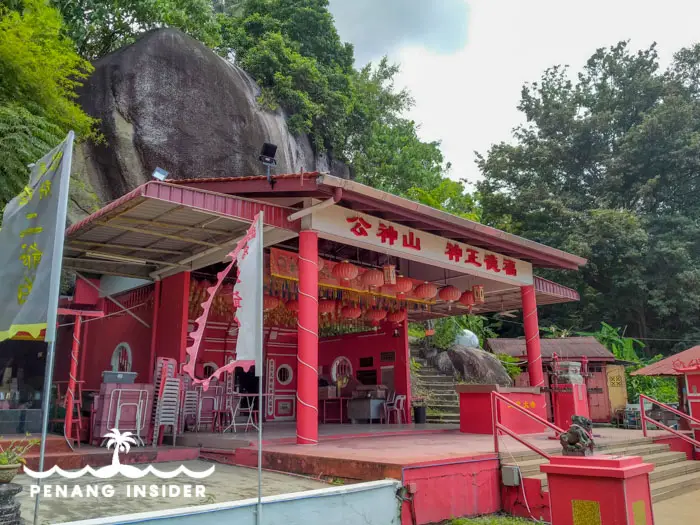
(490,520)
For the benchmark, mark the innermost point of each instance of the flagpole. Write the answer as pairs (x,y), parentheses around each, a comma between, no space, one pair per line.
(54,290)
(260,254)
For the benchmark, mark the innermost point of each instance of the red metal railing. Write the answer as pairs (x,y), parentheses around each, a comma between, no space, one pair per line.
(646,418)
(498,427)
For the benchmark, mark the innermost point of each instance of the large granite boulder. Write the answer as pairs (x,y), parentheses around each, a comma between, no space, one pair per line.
(169,101)
(471,365)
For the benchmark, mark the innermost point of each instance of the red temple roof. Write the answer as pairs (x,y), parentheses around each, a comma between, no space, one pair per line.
(565,347)
(392,208)
(667,367)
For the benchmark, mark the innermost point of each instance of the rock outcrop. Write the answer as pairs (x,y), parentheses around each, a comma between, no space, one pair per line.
(168,101)
(471,365)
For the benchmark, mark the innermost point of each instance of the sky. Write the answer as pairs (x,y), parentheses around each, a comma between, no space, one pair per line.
(465,61)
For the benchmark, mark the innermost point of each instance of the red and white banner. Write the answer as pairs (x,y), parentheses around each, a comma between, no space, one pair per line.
(248,301)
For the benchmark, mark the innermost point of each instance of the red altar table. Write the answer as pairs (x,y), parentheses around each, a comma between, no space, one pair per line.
(475,409)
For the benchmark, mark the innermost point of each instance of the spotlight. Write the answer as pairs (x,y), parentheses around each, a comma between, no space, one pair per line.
(267,157)
(159,174)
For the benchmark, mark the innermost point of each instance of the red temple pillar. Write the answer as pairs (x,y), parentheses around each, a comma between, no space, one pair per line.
(72,381)
(307,351)
(532,336)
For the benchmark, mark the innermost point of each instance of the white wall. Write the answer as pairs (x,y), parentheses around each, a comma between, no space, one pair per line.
(371,503)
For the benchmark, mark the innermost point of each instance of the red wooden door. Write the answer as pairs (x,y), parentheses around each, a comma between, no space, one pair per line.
(598,399)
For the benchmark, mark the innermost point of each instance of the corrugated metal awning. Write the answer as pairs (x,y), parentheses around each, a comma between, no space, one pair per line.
(160,229)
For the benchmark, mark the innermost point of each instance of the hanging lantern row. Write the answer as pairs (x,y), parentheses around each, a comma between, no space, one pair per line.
(426,290)
(351,312)
(449,294)
(403,285)
(345,271)
(373,279)
(270,302)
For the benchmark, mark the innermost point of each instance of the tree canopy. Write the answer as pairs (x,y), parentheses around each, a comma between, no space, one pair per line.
(607,166)
(39,71)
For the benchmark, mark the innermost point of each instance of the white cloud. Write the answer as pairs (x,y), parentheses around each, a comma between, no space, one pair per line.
(468,99)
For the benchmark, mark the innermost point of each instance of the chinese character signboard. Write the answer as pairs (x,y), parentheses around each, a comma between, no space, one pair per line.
(31,243)
(362,230)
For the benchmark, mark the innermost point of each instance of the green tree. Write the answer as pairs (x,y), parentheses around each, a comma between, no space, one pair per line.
(449,196)
(98,27)
(607,167)
(39,71)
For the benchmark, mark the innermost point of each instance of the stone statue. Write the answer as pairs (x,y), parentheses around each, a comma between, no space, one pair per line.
(578,440)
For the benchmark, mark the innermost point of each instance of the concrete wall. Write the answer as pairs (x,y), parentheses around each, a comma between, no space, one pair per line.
(372,503)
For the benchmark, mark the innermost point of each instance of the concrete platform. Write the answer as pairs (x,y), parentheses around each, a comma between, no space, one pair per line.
(228,483)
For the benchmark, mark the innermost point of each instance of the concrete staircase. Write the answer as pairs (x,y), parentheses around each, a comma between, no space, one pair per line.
(673,473)
(442,400)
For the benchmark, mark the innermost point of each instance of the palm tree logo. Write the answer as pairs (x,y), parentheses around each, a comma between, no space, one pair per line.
(120,442)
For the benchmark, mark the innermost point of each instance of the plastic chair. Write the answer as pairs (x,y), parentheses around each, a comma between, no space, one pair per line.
(397,408)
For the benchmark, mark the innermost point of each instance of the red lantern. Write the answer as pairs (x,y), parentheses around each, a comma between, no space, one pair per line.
(403,285)
(426,291)
(397,317)
(292,305)
(389,289)
(376,315)
(372,278)
(467,299)
(478,294)
(345,271)
(351,312)
(270,302)
(326,306)
(449,294)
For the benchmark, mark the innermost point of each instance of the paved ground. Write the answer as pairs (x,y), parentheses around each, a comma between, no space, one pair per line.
(228,483)
(681,510)
(407,448)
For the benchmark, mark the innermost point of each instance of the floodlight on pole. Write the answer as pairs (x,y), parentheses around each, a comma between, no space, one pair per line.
(267,157)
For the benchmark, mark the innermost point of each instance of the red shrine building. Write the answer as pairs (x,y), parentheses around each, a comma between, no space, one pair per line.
(346,268)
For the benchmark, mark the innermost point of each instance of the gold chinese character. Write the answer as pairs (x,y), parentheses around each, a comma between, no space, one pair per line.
(31,255)
(24,289)
(25,196)
(45,189)
(533,405)
(31,231)
(519,403)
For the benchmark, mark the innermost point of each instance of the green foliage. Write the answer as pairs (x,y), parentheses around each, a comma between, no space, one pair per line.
(446,331)
(293,51)
(606,167)
(623,348)
(98,27)
(490,520)
(39,72)
(511,365)
(415,365)
(662,389)
(449,196)
(13,454)
(448,328)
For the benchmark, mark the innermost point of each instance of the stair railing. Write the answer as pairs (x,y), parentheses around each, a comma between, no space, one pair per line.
(498,427)
(646,418)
